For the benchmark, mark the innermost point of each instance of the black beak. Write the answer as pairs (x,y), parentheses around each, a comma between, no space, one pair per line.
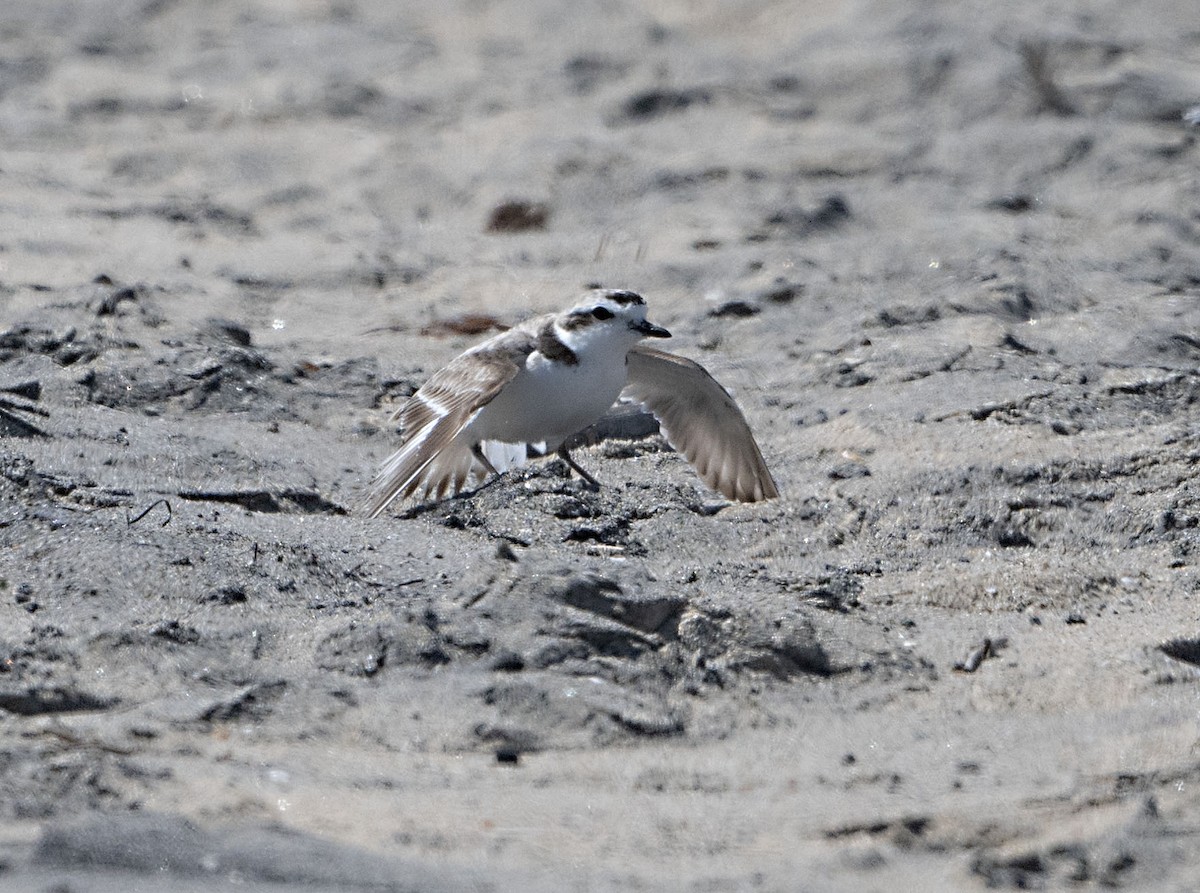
(649,330)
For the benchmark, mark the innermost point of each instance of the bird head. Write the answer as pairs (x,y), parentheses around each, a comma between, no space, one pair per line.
(612,316)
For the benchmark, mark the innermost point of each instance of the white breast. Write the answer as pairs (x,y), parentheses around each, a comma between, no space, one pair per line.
(549,401)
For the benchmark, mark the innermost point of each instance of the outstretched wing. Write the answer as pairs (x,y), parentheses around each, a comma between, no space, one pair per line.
(432,459)
(701,420)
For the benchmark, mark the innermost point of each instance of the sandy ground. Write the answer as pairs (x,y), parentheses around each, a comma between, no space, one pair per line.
(946,254)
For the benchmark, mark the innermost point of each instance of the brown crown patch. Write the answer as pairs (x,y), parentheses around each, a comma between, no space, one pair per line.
(623,297)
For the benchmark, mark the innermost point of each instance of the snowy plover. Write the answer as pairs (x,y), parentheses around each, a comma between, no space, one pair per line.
(551,377)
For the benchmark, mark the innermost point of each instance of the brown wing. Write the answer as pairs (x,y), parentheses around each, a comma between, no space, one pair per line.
(432,459)
(701,420)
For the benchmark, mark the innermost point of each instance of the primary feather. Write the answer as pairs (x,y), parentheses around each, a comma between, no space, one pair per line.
(702,421)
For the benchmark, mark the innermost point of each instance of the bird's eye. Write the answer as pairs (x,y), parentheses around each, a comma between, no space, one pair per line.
(602,313)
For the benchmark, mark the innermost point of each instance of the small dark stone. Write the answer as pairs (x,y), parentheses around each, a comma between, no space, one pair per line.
(782,293)
(508,662)
(518,216)
(736,308)
(229,595)
(847,470)
(652,103)
(1011,538)
(1013,204)
(508,756)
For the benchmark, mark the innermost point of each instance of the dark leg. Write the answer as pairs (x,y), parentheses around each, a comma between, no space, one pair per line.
(483,460)
(566,457)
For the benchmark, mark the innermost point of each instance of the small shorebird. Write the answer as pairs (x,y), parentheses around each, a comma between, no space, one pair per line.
(549,378)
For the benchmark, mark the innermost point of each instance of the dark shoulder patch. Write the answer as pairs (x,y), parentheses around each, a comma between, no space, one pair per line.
(553,349)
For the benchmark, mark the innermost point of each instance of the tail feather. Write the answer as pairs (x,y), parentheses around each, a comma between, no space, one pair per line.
(411,468)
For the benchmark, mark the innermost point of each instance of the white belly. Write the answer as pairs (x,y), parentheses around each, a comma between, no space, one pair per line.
(550,401)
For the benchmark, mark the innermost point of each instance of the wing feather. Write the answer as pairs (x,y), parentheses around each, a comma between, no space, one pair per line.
(701,420)
(432,458)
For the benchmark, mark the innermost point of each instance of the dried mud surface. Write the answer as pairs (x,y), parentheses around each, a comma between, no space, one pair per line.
(946,254)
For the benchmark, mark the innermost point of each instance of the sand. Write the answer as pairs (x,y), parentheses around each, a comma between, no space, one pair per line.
(945,254)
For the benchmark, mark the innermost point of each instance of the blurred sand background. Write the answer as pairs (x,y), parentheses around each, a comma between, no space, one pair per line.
(947,256)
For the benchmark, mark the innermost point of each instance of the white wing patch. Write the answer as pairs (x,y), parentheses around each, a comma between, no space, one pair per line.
(504,456)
